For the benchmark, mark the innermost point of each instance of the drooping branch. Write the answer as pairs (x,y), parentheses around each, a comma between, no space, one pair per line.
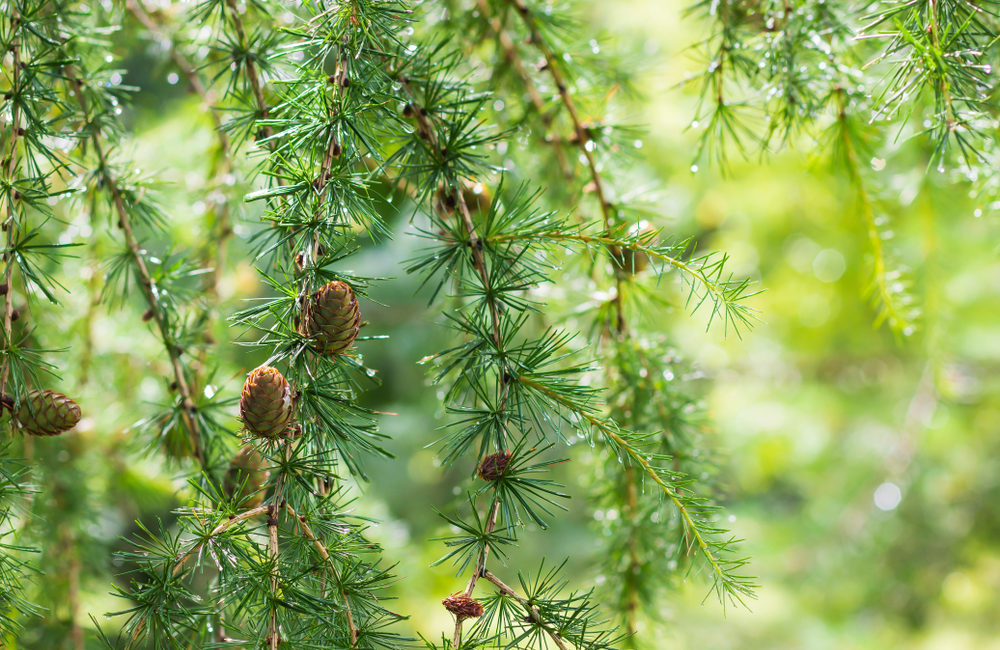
(147,284)
(511,54)
(734,587)
(222,227)
(253,75)
(886,293)
(427,127)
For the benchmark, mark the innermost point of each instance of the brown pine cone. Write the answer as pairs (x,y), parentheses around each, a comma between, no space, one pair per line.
(333,318)
(47,413)
(266,403)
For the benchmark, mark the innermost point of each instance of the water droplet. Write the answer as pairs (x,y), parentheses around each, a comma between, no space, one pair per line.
(887,496)
(694,169)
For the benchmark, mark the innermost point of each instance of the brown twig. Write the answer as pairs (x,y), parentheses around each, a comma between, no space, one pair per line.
(325,554)
(9,222)
(533,612)
(218,530)
(511,54)
(146,281)
(272,545)
(553,65)
(427,130)
(223,228)
(252,74)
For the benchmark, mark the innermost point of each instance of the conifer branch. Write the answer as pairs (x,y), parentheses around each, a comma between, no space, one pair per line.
(203,540)
(253,76)
(222,228)
(886,293)
(10,224)
(215,532)
(705,274)
(730,587)
(620,329)
(146,282)
(511,54)
(325,554)
(531,610)
(478,261)
(585,145)
(553,66)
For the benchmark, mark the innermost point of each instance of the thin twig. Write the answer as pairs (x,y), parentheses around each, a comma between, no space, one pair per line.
(552,64)
(146,282)
(218,530)
(272,538)
(511,54)
(16,130)
(253,76)
(533,612)
(325,554)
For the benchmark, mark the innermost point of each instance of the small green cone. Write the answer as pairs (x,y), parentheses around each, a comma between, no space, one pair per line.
(333,318)
(266,403)
(245,478)
(47,413)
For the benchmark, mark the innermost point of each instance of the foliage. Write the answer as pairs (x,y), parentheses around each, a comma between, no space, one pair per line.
(488,154)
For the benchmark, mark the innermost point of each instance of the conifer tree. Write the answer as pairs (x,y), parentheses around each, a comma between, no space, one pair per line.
(494,127)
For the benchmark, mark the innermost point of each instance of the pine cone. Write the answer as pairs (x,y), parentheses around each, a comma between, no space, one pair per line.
(245,478)
(47,413)
(462,606)
(493,466)
(266,403)
(334,319)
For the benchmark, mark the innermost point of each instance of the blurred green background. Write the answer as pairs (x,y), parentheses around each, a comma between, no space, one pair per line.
(862,468)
